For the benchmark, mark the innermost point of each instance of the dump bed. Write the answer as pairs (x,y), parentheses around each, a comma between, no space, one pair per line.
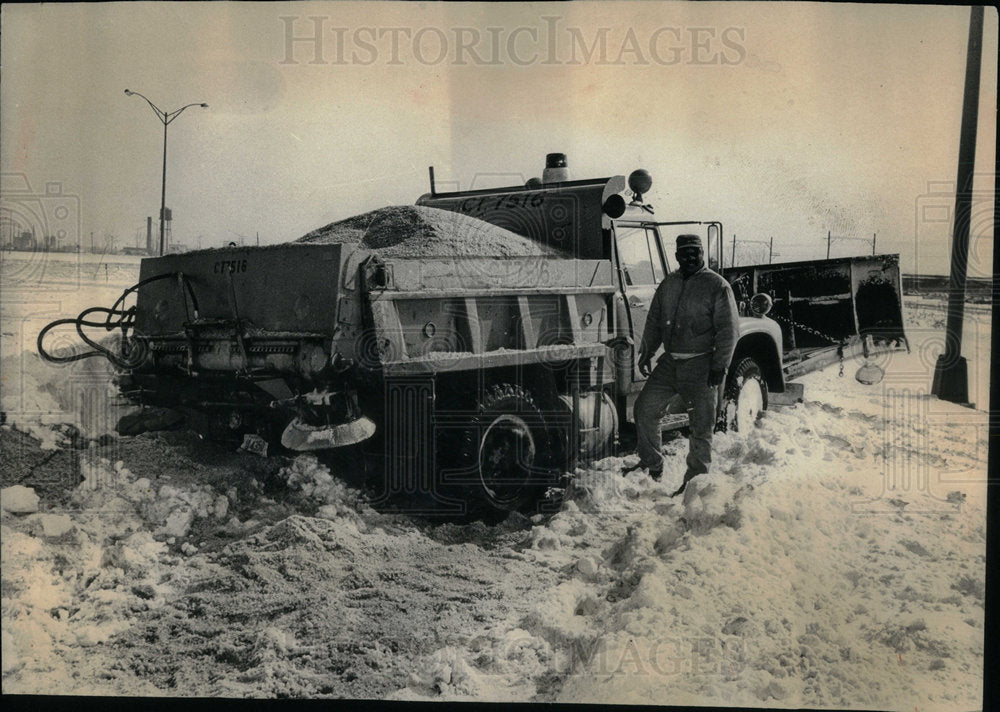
(435,314)
(254,309)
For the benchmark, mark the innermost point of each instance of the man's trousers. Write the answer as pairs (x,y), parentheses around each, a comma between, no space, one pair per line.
(689,378)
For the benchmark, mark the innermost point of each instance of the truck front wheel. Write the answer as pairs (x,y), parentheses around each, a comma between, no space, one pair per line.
(745,396)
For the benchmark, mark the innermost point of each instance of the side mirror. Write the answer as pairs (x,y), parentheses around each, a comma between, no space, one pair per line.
(713,250)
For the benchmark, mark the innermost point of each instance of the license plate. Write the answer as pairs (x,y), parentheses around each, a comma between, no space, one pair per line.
(255,444)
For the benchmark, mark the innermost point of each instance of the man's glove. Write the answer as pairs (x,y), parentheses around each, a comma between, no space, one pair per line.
(644,363)
(715,376)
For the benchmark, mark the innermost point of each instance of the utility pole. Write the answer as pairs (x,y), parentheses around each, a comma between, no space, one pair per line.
(874,235)
(951,372)
(770,250)
(734,250)
(828,244)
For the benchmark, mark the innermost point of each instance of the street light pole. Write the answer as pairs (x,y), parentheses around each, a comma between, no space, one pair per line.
(951,372)
(163,190)
(165,118)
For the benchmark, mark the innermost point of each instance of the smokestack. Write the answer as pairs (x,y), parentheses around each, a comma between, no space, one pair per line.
(149,235)
(555,168)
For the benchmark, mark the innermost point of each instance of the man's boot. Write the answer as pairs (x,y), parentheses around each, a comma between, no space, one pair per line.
(633,468)
(688,476)
(655,474)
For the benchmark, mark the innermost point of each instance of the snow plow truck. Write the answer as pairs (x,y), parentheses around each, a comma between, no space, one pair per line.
(480,374)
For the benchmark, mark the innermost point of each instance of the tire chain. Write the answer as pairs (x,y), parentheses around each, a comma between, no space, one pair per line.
(499,392)
(815,332)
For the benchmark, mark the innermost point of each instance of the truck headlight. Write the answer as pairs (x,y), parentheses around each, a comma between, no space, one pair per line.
(760,304)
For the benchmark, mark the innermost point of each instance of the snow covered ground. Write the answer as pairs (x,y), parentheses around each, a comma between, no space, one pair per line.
(835,557)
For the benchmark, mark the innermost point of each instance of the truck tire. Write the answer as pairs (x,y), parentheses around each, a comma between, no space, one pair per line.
(515,452)
(745,396)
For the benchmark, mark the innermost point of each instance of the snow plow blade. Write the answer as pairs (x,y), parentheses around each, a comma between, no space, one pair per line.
(830,309)
(301,437)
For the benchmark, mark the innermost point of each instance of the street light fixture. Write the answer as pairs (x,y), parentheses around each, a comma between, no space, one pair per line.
(165,118)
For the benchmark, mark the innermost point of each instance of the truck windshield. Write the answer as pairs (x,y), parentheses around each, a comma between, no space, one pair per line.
(639,255)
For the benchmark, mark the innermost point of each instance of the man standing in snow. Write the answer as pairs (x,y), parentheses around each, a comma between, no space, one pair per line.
(693,316)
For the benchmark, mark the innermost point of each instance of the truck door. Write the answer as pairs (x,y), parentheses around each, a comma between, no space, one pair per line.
(641,265)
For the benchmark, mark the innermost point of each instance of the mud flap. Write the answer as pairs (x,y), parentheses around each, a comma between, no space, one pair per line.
(302,437)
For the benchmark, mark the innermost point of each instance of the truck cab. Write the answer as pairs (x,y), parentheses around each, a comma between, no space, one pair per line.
(590,219)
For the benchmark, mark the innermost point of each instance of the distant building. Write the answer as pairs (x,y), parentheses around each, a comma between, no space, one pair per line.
(24,241)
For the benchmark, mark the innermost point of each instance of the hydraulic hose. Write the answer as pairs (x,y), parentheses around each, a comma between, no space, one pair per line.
(130,358)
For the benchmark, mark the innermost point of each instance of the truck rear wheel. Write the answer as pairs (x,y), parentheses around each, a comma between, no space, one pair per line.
(516,451)
(745,396)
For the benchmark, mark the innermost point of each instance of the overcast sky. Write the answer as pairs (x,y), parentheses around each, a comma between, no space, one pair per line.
(782,120)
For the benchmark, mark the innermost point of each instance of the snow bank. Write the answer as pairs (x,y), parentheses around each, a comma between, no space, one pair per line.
(834,557)
(60,405)
(804,571)
(314,480)
(75,578)
(72,580)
